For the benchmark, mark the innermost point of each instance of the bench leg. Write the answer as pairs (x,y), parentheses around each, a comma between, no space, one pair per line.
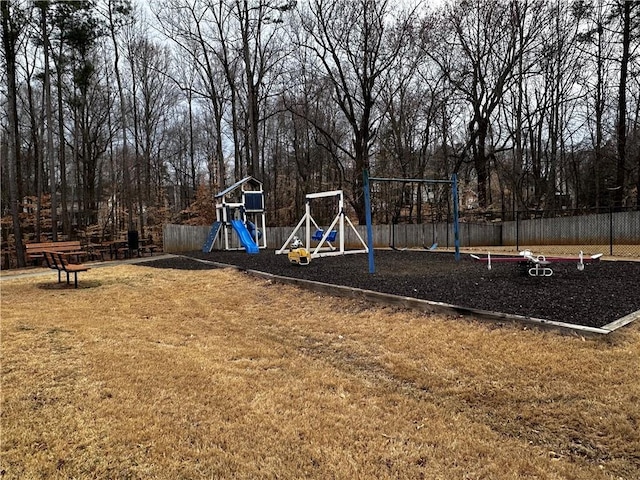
(75,279)
(67,277)
(59,279)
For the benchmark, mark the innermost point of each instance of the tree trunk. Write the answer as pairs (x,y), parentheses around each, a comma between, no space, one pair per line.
(37,155)
(62,157)
(49,123)
(622,106)
(361,151)
(192,154)
(123,113)
(480,161)
(253,117)
(9,39)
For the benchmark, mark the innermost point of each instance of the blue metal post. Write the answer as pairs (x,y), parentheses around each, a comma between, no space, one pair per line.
(456,233)
(367,210)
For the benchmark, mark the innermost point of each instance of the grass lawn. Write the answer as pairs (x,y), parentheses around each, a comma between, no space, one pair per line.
(149,373)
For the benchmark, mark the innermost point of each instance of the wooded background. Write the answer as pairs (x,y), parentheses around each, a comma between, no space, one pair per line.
(124,115)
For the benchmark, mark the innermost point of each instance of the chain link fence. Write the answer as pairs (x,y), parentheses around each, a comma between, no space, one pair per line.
(612,231)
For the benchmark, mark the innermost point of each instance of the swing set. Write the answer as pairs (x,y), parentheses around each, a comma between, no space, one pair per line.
(325,238)
(367,200)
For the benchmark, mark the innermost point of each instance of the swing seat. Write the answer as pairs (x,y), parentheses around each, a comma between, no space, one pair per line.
(317,236)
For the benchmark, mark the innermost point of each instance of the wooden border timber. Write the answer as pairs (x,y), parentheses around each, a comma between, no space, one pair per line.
(621,322)
(428,306)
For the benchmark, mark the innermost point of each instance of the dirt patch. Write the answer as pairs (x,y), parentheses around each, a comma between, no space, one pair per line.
(602,293)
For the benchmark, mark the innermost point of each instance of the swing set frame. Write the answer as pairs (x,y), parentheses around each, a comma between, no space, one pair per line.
(367,201)
(324,248)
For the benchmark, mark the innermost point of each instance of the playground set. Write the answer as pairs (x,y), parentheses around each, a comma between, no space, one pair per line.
(240,218)
(240,210)
(536,265)
(301,252)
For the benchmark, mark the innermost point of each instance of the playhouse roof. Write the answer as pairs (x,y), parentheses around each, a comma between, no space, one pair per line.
(239,184)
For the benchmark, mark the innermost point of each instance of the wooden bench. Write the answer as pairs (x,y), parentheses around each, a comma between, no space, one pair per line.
(57,261)
(35,251)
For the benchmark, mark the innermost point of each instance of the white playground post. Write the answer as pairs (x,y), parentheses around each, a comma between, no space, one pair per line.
(307,220)
(224,217)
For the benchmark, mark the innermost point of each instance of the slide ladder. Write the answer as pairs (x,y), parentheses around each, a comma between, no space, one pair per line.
(245,237)
(211,238)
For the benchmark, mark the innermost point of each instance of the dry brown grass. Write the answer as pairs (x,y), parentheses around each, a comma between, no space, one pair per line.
(146,373)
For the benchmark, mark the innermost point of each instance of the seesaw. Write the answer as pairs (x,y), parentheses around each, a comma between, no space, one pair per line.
(537,265)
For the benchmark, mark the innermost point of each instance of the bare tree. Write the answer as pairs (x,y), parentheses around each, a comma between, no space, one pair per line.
(33,157)
(481,59)
(597,48)
(12,23)
(116,11)
(260,47)
(74,35)
(413,94)
(627,9)
(46,47)
(154,96)
(545,107)
(354,45)
(318,129)
(194,26)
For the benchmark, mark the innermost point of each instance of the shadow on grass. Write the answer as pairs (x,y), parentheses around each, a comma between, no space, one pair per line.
(54,285)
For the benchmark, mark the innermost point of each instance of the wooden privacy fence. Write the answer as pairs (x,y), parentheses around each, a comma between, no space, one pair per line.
(184,238)
(613,228)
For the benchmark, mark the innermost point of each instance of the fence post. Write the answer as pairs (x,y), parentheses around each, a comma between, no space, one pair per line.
(518,231)
(456,216)
(610,230)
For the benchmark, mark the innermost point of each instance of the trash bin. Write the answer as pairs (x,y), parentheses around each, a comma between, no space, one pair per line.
(133,242)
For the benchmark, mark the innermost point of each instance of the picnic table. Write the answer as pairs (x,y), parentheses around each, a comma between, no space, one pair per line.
(122,248)
(71,249)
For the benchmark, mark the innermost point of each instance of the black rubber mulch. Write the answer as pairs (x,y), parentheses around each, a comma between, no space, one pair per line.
(603,292)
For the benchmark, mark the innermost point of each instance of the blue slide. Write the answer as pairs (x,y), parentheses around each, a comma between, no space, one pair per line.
(245,237)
